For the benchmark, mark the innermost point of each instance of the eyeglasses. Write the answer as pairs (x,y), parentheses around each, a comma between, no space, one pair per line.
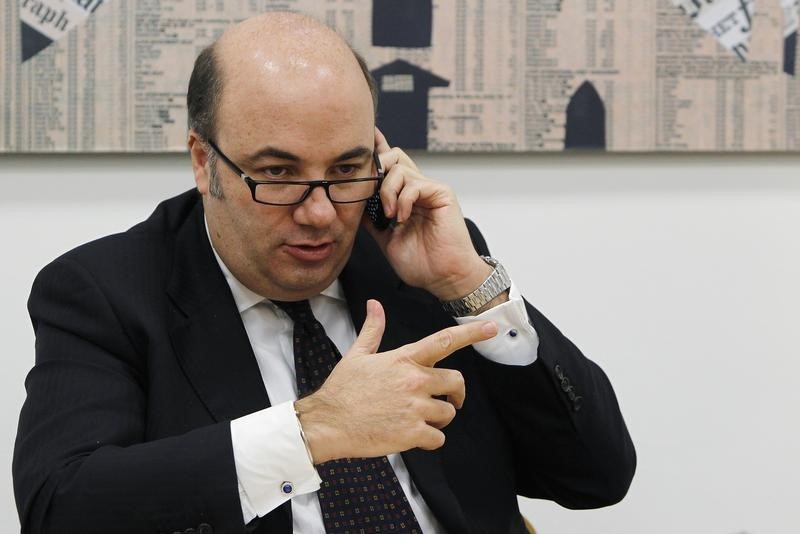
(291,192)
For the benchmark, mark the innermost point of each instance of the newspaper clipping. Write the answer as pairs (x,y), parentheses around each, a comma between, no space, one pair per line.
(453,75)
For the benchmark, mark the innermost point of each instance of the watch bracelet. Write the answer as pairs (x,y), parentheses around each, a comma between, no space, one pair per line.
(494,285)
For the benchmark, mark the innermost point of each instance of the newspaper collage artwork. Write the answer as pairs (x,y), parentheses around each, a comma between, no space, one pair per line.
(453,75)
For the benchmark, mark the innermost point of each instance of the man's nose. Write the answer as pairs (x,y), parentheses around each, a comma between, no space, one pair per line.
(316,210)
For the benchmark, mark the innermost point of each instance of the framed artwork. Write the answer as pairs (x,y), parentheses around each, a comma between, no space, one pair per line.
(453,75)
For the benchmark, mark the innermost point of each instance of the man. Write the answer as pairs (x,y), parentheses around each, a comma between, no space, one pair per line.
(187,376)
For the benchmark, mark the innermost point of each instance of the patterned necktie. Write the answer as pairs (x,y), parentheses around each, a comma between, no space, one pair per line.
(357,495)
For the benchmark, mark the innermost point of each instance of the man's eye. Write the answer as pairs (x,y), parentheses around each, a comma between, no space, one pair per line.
(276,173)
(346,169)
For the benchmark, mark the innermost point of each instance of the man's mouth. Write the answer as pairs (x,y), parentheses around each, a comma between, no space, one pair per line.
(309,251)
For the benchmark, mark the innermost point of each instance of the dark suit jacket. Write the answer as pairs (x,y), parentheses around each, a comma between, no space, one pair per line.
(142,361)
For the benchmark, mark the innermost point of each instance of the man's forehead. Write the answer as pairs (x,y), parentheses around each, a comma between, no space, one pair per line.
(291,85)
(286,74)
(304,106)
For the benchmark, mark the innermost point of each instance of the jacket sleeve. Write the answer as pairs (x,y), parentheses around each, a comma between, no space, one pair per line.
(571,444)
(81,462)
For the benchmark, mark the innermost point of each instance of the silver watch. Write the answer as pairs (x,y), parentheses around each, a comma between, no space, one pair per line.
(493,286)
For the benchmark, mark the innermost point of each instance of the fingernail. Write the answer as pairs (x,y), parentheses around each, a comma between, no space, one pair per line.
(489,328)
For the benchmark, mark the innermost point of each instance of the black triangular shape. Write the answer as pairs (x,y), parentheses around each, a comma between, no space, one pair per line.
(586,119)
(33,42)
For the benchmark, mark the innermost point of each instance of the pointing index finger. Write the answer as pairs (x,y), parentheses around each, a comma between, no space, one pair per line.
(437,346)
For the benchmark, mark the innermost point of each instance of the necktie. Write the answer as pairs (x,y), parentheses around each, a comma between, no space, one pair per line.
(357,495)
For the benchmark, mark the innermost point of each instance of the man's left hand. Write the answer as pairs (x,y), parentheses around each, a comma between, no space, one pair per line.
(429,247)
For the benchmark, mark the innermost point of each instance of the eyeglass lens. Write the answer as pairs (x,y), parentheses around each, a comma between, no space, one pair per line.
(293,193)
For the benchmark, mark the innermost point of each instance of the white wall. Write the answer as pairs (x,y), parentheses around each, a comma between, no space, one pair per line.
(677,274)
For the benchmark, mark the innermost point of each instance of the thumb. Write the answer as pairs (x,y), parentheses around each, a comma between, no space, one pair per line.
(372,332)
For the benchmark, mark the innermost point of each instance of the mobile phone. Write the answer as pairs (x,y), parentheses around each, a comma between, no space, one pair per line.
(375,212)
(374,205)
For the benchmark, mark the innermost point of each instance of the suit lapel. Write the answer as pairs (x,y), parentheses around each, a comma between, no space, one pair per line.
(210,341)
(408,318)
(207,331)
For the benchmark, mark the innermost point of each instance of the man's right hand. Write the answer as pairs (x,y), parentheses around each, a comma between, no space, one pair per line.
(378,404)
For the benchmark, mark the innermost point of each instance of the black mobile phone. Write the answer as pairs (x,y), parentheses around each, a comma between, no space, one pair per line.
(374,204)
(375,212)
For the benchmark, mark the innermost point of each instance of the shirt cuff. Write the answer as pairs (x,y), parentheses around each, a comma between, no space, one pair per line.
(272,464)
(516,342)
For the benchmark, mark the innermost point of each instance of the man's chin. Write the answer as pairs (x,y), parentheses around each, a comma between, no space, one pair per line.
(302,274)
(306,283)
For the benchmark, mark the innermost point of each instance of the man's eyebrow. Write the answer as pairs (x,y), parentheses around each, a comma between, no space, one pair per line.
(277,153)
(272,152)
(357,152)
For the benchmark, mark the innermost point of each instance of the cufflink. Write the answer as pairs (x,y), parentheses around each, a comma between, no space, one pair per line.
(287,488)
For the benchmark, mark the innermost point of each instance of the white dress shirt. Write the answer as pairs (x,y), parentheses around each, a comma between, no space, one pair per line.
(268,449)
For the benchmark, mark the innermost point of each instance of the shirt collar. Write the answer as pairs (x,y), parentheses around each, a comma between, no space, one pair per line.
(245,298)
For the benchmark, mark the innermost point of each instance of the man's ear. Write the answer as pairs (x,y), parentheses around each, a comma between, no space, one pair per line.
(197,151)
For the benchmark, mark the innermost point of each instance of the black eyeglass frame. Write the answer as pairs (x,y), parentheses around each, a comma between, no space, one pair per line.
(325,184)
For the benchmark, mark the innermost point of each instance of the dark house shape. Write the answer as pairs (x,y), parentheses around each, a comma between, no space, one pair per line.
(403,102)
(789,53)
(402,23)
(33,42)
(586,119)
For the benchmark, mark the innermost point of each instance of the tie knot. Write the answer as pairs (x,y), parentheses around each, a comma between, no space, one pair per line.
(299,311)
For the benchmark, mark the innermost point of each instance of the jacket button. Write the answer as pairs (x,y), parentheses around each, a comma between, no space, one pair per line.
(559,372)
(204,528)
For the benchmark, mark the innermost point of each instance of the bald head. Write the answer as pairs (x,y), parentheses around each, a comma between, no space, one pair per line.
(270,53)
(281,42)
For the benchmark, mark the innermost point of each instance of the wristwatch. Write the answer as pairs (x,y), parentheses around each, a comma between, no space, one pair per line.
(493,286)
